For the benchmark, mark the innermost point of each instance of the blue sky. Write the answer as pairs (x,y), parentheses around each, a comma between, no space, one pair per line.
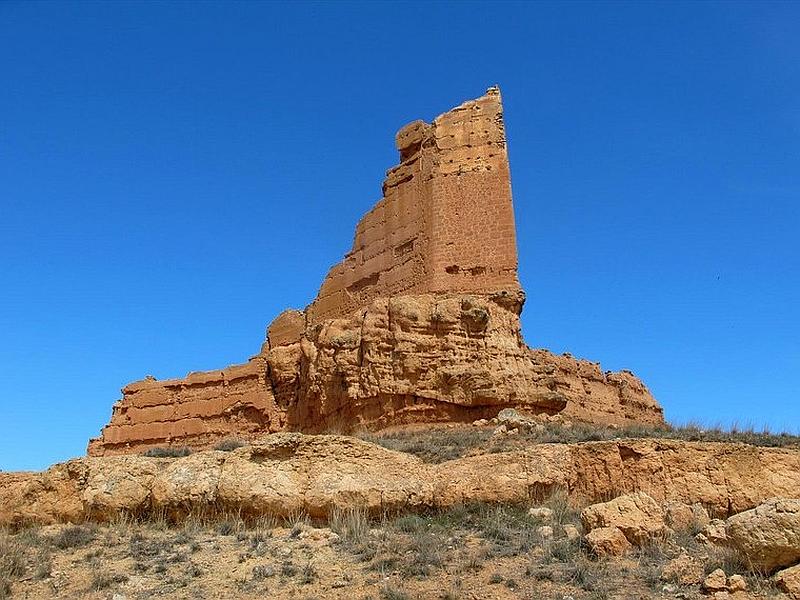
(173,175)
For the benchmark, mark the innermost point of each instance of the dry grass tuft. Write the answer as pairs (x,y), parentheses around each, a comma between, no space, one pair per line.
(75,536)
(230,444)
(351,524)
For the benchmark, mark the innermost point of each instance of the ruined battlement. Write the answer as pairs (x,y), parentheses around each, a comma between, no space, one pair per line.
(445,222)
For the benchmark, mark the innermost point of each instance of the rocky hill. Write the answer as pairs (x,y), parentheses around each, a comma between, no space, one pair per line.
(329,516)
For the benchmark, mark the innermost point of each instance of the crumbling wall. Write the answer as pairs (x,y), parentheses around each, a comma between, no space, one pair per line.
(445,222)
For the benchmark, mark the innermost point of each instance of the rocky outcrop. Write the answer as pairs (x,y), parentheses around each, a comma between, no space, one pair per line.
(768,535)
(286,473)
(408,359)
(418,323)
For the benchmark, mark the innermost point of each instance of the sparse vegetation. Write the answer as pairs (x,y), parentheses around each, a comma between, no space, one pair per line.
(229,444)
(436,445)
(75,536)
(392,593)
(351,524)
(167,452)
(12,563)
(102,579)
(447,553)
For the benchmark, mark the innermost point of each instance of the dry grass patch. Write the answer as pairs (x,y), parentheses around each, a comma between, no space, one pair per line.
(437,445)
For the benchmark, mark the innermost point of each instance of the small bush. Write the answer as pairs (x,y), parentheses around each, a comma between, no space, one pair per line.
(12,558)
(167,452)
(263,572)
(563,550)
(102,580)
(5,588)
(142,547)
(425,555)
(729,560)
(391,593)
(43,565)
(230,526)
(75,536)
(308,574)
(230,444)
(288,569)
(410,523)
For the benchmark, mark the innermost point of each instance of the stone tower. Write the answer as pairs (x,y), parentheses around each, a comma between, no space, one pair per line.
(418,324)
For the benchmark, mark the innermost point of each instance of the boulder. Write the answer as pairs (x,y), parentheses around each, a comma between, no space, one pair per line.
(737,583)
(768,535)
(514,420)
(680,516)
(788,581)
(715,531)
(637,516)
(716,581)
(607,541)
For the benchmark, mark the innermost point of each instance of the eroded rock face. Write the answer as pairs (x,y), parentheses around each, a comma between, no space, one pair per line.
(408,359)
(418,323)
(286,473)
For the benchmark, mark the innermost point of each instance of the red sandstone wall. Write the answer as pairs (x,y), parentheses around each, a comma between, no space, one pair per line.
(445,222)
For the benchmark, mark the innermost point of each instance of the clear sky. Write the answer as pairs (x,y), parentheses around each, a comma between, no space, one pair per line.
(172,176)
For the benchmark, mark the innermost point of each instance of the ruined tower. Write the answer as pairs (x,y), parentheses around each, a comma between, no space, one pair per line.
(418,323)
(445,222)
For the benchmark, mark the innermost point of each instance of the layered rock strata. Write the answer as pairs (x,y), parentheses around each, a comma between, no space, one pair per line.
(418,323)
(287,473)
(408,359)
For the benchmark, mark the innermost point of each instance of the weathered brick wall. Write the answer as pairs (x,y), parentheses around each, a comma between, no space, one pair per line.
(445,222)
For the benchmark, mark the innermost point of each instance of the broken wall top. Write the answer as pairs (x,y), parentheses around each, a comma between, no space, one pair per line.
(445,222)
